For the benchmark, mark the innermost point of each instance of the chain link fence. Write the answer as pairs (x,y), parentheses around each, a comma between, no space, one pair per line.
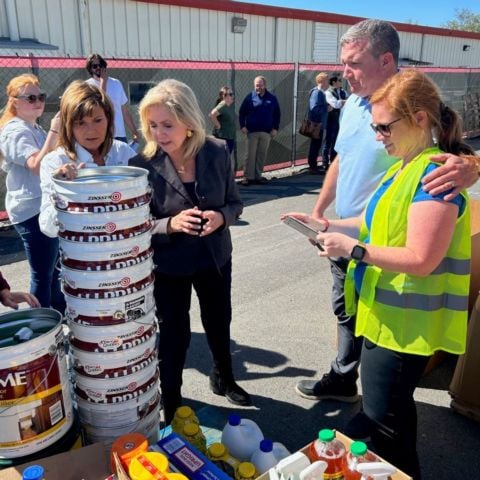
(289,82)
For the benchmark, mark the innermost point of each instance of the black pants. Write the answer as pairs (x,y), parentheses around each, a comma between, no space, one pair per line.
(389,380)
(173,299)
(349,347)
(314,150)
(331,135)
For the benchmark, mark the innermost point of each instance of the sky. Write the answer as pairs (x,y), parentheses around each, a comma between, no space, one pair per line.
(433,13)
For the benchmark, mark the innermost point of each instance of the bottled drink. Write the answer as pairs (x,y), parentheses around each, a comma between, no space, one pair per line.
(358,454)
(193,434)
(33,472)
(245,471)
(183,416)
(218,453)
(330,450)
(241,436)
(267,455)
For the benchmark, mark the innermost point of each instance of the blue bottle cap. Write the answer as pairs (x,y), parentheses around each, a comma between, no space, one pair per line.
(234,419)
(266,445)
(34,472)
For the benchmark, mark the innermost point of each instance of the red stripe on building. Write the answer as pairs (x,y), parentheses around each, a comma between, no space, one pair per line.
(75,63)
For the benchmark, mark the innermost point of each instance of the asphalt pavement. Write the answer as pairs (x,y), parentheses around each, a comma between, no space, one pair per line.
(283,330)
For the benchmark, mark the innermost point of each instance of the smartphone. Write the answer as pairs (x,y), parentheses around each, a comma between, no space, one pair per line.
(307,230)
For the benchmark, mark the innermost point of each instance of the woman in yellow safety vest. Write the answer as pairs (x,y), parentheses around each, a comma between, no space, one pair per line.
(409,275)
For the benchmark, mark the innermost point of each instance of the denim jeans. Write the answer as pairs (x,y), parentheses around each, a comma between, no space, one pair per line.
(42,256)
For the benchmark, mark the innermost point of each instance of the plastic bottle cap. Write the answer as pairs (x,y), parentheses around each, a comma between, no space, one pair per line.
(326,435)
(358,448)
(191,429)
(141,465)
(266,445)
(34,472)
(234,420)
(183,412)
(217,450)
(246,470)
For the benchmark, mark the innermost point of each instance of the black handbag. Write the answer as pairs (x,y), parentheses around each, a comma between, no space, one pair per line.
(310,129)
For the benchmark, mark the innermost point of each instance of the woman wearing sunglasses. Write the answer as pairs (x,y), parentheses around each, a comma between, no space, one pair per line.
(24,145)
(408,280)
(85,140)
(223,118)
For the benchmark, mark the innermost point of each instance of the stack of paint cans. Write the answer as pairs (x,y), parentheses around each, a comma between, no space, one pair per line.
(104,229)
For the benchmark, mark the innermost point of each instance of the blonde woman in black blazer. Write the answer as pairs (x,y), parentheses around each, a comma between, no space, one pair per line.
(195,200)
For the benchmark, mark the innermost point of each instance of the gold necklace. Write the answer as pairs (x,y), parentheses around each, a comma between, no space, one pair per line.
(182,170)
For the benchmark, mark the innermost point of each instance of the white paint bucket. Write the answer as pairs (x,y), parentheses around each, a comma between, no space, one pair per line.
(35,401)
(113,338)
(108,293)
(106,280)
(110,311)
(147,426)
(126,223)
(112,415)
(100,186)
(114,364)
(121,250)
(115,390)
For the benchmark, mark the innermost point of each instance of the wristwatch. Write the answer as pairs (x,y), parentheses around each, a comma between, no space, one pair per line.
(358,251)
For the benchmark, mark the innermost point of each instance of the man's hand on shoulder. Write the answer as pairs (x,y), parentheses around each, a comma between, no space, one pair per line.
(456,172)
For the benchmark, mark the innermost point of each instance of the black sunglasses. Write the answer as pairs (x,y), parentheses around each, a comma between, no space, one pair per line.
(384,128)
(33,98)
(96,65)
(230,94)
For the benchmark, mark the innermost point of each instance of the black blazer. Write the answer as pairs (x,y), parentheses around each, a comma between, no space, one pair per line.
(216,190)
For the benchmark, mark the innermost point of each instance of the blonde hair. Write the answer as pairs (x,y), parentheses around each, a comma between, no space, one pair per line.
(78,101)
(181,102)
(320,77)
(14,88)
(411,91)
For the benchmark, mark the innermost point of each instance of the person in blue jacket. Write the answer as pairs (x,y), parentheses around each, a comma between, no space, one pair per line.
(259,117)
(317,112)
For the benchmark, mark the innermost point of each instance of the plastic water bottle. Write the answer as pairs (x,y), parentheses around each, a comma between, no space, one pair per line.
(218,453)
(330,450)
(183,416)
(358,454)
(245,471)
(193,434)
(267,455)
(241,436)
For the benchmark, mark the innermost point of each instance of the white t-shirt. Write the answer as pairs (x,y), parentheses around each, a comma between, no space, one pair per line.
(118,97)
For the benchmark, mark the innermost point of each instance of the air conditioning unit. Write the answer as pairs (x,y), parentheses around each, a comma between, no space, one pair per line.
(239,24)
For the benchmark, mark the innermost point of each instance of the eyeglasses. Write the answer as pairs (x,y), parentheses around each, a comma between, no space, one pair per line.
(230,94)
(384,128)
(96,65)
(33,98)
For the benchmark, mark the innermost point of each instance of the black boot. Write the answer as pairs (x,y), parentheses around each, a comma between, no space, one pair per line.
(225,385)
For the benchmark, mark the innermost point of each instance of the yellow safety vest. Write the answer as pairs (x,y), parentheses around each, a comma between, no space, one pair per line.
(408,313)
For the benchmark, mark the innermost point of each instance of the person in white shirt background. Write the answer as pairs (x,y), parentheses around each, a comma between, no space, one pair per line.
(97,68)
(336,98)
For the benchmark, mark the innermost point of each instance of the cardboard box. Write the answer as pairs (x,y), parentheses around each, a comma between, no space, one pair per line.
(87,463)
(475,268)
(465,387)
(399,475)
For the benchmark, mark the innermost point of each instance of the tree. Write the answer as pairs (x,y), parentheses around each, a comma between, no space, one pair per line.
(465,20)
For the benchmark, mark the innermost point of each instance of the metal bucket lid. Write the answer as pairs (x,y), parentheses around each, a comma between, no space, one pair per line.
(20,326)
(102,174)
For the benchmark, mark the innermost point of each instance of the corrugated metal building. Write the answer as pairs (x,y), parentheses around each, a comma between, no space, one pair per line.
(205,30)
